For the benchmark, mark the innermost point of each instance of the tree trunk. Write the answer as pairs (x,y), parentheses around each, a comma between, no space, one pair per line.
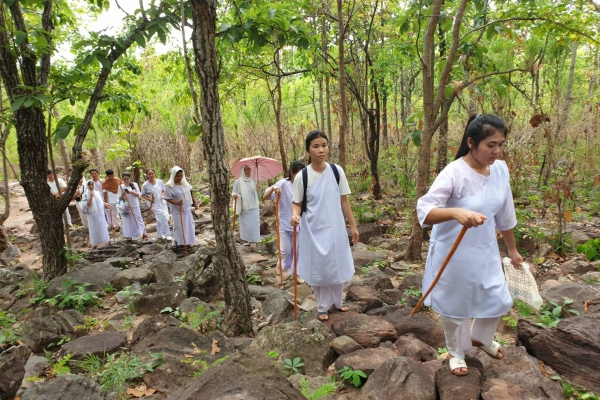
(343,101)
(328,113)
(442,156)
(384,117)
(4,239)
(227,260)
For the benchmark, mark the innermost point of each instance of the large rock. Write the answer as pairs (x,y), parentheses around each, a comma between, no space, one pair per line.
(420,326)
(452,387)
(588,328)
(38,333)
(34,367)
(520,369)
(98,275)
(409,346)
(376,279)
(11,252)
(68,387)
(249,374)
(365,330)
(366,232)
(291,340)
(344,345)
(261,292)
(99,345)
(577,265)
(363,257)
(129,276)
(366,295)
(400,378)
(279,304)
(576,291)
(498,389)
(571,354)
(12,370)
(202,279)
(366,360)
(158,296)
(183,351)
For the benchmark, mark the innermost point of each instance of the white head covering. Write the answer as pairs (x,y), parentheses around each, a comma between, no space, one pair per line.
(249,199)
(184,183)
(97,207)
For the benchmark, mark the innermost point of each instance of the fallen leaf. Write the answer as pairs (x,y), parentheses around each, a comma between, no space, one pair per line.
(215,348)
(585,306)
(141,391)
(543,369)
(196,349)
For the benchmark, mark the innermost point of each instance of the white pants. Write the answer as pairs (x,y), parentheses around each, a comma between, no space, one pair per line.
(286,239)
(115,216)
(459,333)
(68,218)
(162,223)
(328,296)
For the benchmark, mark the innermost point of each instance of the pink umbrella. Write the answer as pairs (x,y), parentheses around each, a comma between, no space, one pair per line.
(264,167)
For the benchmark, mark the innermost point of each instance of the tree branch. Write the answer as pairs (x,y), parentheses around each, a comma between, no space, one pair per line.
(47,27)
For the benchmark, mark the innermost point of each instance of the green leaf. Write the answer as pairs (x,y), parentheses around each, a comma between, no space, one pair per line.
(416,137)
(20,37)
(140,40)
(18,102)
(591,253)
(103,60)
(223,27)
(568,301)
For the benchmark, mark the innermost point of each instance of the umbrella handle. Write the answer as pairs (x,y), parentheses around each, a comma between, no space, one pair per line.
(439,274)
(182,229)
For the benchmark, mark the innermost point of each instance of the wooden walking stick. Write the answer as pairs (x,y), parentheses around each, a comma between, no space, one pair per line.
(279,238)
(295,277)
(112,228)
(234,208)
(182,230)
(437,278)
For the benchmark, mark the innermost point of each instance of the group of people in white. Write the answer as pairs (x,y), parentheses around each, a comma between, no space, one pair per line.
(106,204)
(472,191)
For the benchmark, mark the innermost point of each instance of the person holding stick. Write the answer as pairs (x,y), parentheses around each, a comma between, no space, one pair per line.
(92,200)
(245,195)
(473,191)
(178,193)
(324,257)
(284,187)
(129,194)
(153,191)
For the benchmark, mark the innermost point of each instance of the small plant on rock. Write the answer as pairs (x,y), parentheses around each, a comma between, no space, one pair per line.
(591,249)
(551,316)
(80,299)
(322,391)
(8,334)
(292,365)
(352,376)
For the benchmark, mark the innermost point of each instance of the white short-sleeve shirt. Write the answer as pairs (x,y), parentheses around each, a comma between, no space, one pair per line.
(298,190)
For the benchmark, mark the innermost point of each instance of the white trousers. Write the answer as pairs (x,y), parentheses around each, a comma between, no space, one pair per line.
(459,333)
(115,216)
(328,296)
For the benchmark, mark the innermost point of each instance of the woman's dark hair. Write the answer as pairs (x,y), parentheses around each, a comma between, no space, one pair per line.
(131,183)
(478,128)
(149,169)
(295,167)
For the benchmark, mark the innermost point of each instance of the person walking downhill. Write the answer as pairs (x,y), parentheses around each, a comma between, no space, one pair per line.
(92,199)
(78,197)
(178,193)
(285,187)
(324,256)
(153,191)
(473,191)
(129,194)
(56,191)
(245,191)
(110,189)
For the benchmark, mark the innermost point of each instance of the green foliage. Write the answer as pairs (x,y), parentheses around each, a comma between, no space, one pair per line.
(71,255)
(580,394)
(201,319)
(551,316)
(253,279)
(8,334)
(292,365)
(201,365)
(322,391)
(413,292)
(36,288)
(58,367)
(274,355)
(561,243)
(352,376)
(127,293)
(80,299)
(591,249)
(117,369)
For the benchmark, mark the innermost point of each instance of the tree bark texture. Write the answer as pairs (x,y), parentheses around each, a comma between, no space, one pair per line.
(227,260)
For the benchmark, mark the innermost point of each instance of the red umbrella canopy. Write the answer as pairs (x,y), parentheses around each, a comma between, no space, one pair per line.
(263,168)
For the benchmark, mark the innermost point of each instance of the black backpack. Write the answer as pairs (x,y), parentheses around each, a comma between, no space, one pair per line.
(305,183)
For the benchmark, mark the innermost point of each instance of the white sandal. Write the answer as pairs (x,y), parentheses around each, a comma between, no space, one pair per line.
(494,350)
(455,364)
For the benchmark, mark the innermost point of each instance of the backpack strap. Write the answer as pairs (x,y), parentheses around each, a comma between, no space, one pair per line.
(305,184)
(335,172)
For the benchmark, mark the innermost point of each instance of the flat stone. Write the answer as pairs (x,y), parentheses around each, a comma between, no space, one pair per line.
(12,370)
(498,389)
(577,265)
(344,345)
(38,333)
(253,258)
(363,257)
(67,387)
(99,345)
(261,292)
(98,275)
(366,360)
(129,276)
(157,296)
(453,387)
(279,304)
(420,326)
(415,349)
(364,294)
(365,330)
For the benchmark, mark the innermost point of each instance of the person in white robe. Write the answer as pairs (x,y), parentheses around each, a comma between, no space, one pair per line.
(129,195)
(153,191)
(78,197)
(284,188)
(324,256)
(178,193)
(95,212)
(57,187)
(110,188)
(472,191)
(245,194)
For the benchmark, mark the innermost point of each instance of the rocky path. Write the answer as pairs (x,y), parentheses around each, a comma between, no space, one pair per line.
(141,320)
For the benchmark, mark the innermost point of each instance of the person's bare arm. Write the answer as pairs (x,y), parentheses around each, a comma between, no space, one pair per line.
(347,211)
(513,253)
(464,217)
